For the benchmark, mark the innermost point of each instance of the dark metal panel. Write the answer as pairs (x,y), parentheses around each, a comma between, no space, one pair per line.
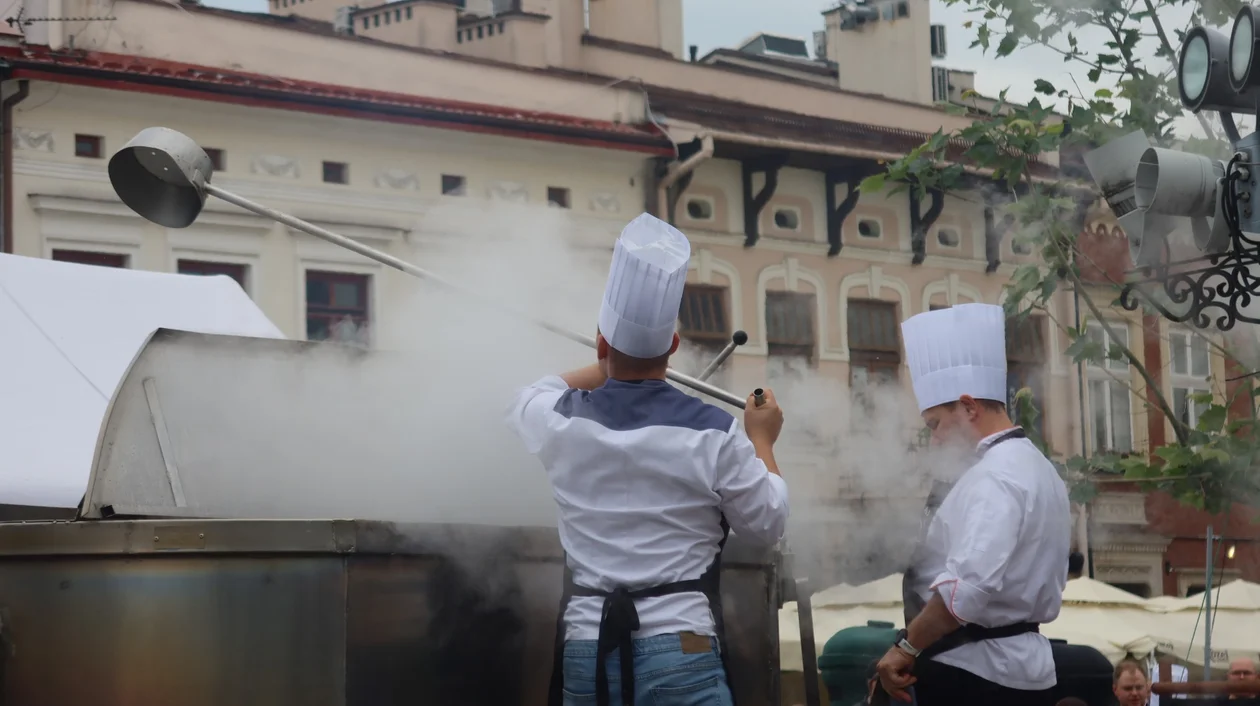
(313,612)
(438,630)
(750,606)
(192,631)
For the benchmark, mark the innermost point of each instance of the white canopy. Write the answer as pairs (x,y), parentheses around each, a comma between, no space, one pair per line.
(70,332)
(1112,621)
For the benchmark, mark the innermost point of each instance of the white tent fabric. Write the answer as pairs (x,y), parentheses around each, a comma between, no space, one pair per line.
(1110,620)
(70,333)
(1087,591)
(1235,595)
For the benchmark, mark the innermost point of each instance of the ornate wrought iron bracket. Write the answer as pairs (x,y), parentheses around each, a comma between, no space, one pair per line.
(754,203)
(838,210)
(921,221)
(1220,286)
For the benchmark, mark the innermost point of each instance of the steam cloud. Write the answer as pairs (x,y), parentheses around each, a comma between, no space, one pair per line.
(418,435)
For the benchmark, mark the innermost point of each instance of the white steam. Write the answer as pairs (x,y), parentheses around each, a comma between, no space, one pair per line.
(414,432)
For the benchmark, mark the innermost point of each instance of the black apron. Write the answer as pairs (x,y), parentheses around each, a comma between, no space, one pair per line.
(914,604)
(620,620)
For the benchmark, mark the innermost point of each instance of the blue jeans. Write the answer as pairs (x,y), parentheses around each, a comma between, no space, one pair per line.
(663,674)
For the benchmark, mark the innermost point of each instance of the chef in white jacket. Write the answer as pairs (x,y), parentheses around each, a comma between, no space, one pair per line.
(990,568)
(648,481)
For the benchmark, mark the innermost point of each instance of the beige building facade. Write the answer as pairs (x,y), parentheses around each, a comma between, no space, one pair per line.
(366,120)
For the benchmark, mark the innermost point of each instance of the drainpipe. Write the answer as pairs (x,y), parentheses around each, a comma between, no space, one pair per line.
(679,170)
(6,168)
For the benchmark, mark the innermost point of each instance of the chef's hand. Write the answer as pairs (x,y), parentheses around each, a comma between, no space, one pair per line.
(763,424)
(894,673)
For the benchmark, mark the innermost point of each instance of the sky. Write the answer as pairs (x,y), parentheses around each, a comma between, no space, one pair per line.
(711,24)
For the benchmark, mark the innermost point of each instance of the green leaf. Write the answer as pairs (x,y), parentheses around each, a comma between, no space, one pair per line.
(1175,457)
(1044,86)
(1085,350)
(1102,93)
(1007,45)
(1093,74)
(1215,454)
(1137,469)
(983,37)
(872,184)
(1212,420)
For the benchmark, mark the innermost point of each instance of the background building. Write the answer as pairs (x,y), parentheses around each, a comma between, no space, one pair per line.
(367,119)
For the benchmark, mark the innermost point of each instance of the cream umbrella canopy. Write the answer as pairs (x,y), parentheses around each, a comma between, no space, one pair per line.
(1179,631)
(1103,617)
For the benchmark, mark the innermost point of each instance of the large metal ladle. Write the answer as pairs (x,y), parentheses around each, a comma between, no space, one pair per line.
(164,176)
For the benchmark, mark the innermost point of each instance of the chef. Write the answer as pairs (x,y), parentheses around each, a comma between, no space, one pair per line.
(647,479)
(990,567)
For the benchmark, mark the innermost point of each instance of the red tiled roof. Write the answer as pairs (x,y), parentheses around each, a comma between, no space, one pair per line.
(122,71)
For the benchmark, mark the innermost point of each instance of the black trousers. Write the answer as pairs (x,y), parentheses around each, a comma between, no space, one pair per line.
(942,685)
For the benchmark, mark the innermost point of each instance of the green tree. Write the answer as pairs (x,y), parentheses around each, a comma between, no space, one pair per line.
(1212,463)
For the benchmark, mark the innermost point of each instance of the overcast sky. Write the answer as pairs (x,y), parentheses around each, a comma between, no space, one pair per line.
(724,23)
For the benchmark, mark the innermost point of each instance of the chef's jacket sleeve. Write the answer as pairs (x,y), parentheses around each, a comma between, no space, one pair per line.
(531,411)
(981,531)
(754,500)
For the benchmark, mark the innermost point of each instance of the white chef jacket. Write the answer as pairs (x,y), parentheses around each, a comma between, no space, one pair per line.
(994,552)
(642,474)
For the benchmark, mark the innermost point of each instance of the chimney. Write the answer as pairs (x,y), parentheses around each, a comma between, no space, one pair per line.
(694,49)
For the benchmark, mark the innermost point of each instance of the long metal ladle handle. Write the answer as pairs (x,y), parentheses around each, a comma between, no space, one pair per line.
(404,266)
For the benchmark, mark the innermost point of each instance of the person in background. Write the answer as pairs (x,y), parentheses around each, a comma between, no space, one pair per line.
(1130,683)
(986,574)
(1241,669)
(1071,701)
(1076,565)
(648,481)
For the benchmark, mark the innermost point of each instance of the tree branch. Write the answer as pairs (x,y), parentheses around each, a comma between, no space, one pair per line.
(1151,384)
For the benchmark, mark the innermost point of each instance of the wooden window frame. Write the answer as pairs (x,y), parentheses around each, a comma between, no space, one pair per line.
(339,170)
(92,257)
(711,292)
(360,315)
(788,343)
(203,268)
(97,146)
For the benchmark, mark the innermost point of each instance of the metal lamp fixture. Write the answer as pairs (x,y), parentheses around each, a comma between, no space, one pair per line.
(1161,195)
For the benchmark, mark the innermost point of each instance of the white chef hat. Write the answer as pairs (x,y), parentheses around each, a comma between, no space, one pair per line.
(957,351)
(645,288)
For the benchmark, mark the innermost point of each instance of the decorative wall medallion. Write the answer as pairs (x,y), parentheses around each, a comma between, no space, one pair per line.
(604,202)
(399,179)
(36,140)
(276,166)
(509,191)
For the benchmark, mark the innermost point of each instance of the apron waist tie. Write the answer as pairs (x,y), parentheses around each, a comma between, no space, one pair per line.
(617,625)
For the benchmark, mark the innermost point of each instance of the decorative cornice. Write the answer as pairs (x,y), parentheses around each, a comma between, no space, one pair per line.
(338,197)
(358,231)
(1152,544)
(50,203)
(98,206)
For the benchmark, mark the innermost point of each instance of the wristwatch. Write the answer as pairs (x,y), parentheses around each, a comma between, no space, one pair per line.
(904,645)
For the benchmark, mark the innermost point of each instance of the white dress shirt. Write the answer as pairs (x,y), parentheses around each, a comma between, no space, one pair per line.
(642,474)
(995,553)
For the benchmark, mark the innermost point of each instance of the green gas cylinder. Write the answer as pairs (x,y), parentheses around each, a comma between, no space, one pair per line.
(847,656)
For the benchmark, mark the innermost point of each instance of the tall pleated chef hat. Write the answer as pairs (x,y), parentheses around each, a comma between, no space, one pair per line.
(645,288)
(957,351)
